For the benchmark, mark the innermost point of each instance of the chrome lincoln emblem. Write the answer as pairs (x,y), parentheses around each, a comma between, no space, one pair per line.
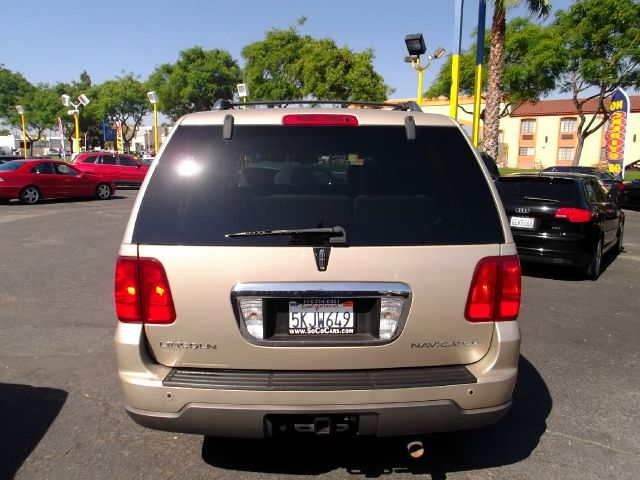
(523,210)
(322,257)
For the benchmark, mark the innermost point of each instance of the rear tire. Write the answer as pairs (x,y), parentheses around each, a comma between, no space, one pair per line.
(619,246)
(29,195)
(103,191)
(595,265)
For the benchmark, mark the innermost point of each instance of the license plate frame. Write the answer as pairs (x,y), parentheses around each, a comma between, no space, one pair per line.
(321,316)
(524,223)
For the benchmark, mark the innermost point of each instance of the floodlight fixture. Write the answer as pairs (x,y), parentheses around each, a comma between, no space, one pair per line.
(438,53)
(153,98)
(66,100)
(20,109)
(415,44)
(243,90)
(84,100)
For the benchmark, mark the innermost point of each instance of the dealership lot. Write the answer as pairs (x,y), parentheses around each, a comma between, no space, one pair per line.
(576,403)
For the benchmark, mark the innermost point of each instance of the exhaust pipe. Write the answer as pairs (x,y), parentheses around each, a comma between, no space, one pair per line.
(415,448)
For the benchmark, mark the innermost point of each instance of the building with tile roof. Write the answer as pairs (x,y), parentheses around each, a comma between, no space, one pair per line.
(544,133)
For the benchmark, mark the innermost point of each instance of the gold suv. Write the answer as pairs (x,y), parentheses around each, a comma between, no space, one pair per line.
(317,271)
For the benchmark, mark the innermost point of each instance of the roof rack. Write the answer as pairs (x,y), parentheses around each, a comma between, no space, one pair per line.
(410,106)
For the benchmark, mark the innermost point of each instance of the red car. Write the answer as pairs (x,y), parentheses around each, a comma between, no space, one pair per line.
(120,168)
(33,179)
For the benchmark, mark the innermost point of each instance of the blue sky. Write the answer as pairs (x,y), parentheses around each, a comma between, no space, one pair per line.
(56,41)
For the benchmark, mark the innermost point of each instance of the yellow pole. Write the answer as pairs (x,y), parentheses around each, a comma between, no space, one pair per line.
(155,127)
(24,137)
(420,72)
(77,145)
(455,84)
(476,105)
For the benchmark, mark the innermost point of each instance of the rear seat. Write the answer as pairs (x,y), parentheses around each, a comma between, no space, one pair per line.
(411,213)
(300,209)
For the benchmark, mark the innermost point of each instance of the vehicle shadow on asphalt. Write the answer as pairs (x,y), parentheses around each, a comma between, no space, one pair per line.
(510,440)
(564,273)
(26,413)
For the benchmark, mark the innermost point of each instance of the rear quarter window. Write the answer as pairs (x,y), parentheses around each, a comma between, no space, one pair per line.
(370,180)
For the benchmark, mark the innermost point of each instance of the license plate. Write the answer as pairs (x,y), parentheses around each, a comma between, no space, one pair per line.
(522,222)
(321,317)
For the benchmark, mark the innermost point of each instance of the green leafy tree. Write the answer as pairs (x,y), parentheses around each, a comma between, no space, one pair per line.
(195,81)
(12,87)
(601,47)
(532,64)
(123,99)
(272,68)
(287,65)
(41,111)
(496,66)
(329,72)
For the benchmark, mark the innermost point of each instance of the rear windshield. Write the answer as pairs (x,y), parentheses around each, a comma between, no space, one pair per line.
(11,166)
(516,189)
(379,187)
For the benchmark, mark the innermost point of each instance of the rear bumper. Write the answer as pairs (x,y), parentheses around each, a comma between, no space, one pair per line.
(231,410)
(254,421)
(571,250)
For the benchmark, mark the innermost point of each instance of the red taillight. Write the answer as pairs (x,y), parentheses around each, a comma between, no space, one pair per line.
(127,290)
(320,119)
(574,215)
(495,290)
(142,291)
(621,186)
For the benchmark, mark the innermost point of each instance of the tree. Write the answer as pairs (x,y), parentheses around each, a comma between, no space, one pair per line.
(12,86)
(496,67)
(601,47)
(272,65)
(329,72)
(123,99)
(195,81)
(289,66)
(41,111)
(532,65)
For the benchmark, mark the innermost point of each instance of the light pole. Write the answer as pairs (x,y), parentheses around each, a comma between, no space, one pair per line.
(153,98)
(84,101)
(416,47)
(243,92)
(20,110)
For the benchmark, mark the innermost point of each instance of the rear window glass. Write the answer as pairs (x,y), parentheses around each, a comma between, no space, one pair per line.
(11,166)
(547,188)
(371,181)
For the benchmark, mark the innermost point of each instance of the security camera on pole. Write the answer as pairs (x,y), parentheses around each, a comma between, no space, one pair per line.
(84,101)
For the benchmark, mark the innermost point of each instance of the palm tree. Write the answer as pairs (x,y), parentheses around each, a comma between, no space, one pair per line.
(496,67)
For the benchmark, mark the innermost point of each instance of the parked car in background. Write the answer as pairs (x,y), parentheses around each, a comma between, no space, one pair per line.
(287,276)
(121,169)
(35,179)
(8,158)
(609,180)
(632,194)
(562,218)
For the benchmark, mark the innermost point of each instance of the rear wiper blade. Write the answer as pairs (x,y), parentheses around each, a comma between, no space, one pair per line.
(550,200)
(337,233)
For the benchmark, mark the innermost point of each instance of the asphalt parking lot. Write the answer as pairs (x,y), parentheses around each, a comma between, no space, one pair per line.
(575,413)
